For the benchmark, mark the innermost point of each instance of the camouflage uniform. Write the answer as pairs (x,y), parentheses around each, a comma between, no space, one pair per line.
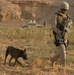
(59,41)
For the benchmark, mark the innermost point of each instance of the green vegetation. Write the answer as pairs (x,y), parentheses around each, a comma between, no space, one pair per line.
(39,46)
(38,38)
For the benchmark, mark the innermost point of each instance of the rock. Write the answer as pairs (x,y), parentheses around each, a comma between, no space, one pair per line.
(9,11)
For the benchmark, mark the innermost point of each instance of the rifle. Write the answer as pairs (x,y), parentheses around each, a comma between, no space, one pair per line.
(64,27)
(64,30)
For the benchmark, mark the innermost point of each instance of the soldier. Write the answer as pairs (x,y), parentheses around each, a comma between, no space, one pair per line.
(61,33)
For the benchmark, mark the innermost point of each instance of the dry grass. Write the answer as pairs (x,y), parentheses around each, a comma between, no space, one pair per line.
(39,48)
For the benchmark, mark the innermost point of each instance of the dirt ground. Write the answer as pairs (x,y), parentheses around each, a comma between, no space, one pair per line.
(40,48)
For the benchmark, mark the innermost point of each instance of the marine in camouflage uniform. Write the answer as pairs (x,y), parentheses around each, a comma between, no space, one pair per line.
(60,41)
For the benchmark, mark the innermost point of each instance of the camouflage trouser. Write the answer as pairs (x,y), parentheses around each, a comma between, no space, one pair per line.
(60,54)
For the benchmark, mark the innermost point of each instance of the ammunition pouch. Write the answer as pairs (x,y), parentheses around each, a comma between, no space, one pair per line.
(58,42)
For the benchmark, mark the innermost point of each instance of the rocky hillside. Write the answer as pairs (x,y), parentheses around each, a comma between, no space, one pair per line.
(39,10)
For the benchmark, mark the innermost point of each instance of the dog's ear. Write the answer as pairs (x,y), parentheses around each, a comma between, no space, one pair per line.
(25,50)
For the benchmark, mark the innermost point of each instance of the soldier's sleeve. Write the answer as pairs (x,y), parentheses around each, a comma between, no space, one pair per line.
(70,25)
(53,26)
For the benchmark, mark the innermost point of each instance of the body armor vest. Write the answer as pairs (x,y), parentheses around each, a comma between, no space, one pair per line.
(61,19)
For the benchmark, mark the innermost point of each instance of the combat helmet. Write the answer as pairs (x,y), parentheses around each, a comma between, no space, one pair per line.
(64,5)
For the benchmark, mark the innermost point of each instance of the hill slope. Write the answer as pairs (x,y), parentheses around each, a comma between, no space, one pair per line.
(39,10)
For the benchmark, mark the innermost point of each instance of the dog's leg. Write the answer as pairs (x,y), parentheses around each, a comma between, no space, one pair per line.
(15,62)
(20,63)
(10,61)
(7,53)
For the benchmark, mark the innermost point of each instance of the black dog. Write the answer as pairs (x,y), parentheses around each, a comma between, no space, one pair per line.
(15,53)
